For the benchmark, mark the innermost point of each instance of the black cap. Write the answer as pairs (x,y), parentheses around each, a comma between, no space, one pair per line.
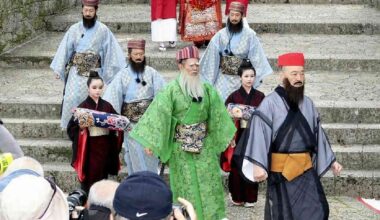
(143,196)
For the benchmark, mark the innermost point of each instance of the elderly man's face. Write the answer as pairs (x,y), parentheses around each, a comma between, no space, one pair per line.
(235,16)
(137,55)
(88,11)
(295,75)
(191,66)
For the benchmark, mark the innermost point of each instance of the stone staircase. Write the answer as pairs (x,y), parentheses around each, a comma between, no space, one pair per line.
(341,41)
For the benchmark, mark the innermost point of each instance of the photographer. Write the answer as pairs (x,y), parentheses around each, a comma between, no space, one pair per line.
(8,144)
(99,204)
(145,196)
(100,200)
(24,163)
(178,214)
(31,196)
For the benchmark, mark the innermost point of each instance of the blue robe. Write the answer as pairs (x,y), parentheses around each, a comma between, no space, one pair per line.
(124,88)
(98,39)
(245,45)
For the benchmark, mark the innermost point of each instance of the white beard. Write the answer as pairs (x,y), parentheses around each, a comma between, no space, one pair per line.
(191,85)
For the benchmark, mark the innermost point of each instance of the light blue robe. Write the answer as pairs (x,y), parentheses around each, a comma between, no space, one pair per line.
(244,45)
(98,39)
(124,88)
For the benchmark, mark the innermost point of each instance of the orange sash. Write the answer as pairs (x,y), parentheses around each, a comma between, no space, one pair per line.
(291,165)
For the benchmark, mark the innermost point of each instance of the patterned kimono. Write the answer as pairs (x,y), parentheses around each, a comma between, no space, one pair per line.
(278,127)
(125,89)
(98,40)
(245,45)
(200,20)
(194,176)
(101,151)
(240,189)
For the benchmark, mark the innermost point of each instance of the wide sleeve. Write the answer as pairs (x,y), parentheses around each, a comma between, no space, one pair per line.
(158,82)
(63,54)
(220,127)
(155,129)
(8,144)
(324,156)
(113,59)
(114,93)
(258,59)
(254,146)
(210,61)
(73,133)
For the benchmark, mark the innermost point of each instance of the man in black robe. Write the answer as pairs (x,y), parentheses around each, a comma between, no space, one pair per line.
(286,144)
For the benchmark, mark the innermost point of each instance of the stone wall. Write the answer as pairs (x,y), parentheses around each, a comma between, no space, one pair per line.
(21,20)
(377,4)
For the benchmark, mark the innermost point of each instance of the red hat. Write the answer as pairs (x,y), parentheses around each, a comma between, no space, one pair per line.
(237,6)
(136,44)
(291,59)
(187,52)
(244,2)
(90,2)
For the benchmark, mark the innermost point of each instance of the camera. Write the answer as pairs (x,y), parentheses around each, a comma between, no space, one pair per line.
(76,201)
(183,211)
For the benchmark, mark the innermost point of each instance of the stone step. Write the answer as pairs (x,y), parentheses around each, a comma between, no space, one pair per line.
(353,157)
(35,94)
(35,128)
(264,18)
(344,134)
(323,52)
(331,112)
(351,183)
(47,150)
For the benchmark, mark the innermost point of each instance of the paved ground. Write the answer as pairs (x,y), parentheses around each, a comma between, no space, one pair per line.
(346,208)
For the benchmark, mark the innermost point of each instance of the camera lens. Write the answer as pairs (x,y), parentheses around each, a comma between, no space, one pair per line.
(76,198)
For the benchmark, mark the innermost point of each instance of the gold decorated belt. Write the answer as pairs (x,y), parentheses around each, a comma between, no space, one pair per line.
(95,131)
(85,62)
(291,165)
(134,110)
(191,136)
(230,64)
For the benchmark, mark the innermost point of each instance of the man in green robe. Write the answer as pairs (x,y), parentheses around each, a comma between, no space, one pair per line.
(187,125)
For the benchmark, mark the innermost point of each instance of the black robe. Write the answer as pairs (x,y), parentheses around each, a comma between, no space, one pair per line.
(102,152)
(240,189)
(279,127)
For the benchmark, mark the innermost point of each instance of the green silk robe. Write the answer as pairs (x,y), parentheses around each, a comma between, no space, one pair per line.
(195,177)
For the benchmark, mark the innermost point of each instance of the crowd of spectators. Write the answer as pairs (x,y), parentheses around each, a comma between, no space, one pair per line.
(26,193)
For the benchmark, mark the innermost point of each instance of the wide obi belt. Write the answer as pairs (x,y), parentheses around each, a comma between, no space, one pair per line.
(95,131)
(92,118)
(85,62)
(191,136)
(230,64)
(134,110)
(291,165)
